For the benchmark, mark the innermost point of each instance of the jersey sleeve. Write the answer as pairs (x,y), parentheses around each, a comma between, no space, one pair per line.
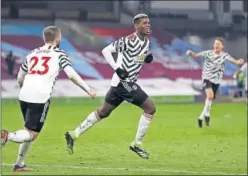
(204,54)
(64,61)
(120,45)
(228,57)
(24,65)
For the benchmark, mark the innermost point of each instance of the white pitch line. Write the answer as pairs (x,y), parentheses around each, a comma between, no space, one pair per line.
(127,169)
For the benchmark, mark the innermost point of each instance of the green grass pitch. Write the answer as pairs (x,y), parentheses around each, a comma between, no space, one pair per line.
(176,145)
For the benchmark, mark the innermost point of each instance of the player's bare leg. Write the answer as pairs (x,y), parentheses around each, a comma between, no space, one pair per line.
(205,114)
(94,117)
(145,119)
(24,138)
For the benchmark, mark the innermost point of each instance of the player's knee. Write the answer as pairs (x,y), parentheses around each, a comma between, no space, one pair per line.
(150,110)
(33,134)
(34,137)
(210,97)
(103,113)
(209,94)
(153,110)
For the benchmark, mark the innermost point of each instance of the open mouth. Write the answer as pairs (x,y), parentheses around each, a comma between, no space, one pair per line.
(148,30)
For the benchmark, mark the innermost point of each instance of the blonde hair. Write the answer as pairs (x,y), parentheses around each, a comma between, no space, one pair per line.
(50,33)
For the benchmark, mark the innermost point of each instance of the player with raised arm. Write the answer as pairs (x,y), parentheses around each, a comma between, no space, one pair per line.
(132,53)
(212,74)
(36,78)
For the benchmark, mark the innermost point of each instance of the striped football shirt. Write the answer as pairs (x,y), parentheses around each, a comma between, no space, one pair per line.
(42,66)
(131,53)
(214,65)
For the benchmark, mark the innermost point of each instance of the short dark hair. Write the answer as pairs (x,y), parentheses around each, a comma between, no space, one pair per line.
(50,33)
(136,19)
(220,39)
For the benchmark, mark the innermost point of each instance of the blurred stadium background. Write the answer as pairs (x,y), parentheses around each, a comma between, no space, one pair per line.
(88,26)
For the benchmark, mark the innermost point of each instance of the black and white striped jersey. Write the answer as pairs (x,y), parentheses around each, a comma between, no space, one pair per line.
(214,65)
(42,66)
(131,53)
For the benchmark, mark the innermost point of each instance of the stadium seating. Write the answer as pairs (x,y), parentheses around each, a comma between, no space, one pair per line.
(169,52)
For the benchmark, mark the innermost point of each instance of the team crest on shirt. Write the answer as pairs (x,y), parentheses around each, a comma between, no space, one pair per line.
(139,59)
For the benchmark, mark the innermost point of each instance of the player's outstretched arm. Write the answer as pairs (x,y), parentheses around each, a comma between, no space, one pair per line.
(239,61)
(76,79)
(193,54)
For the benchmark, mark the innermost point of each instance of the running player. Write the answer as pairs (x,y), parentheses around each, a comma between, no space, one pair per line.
(36,78)
(212,74)
(132,53)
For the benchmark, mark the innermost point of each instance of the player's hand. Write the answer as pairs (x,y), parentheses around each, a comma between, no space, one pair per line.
(240,61)
(92,93)
(123,74)
(148,58)
(188,52)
